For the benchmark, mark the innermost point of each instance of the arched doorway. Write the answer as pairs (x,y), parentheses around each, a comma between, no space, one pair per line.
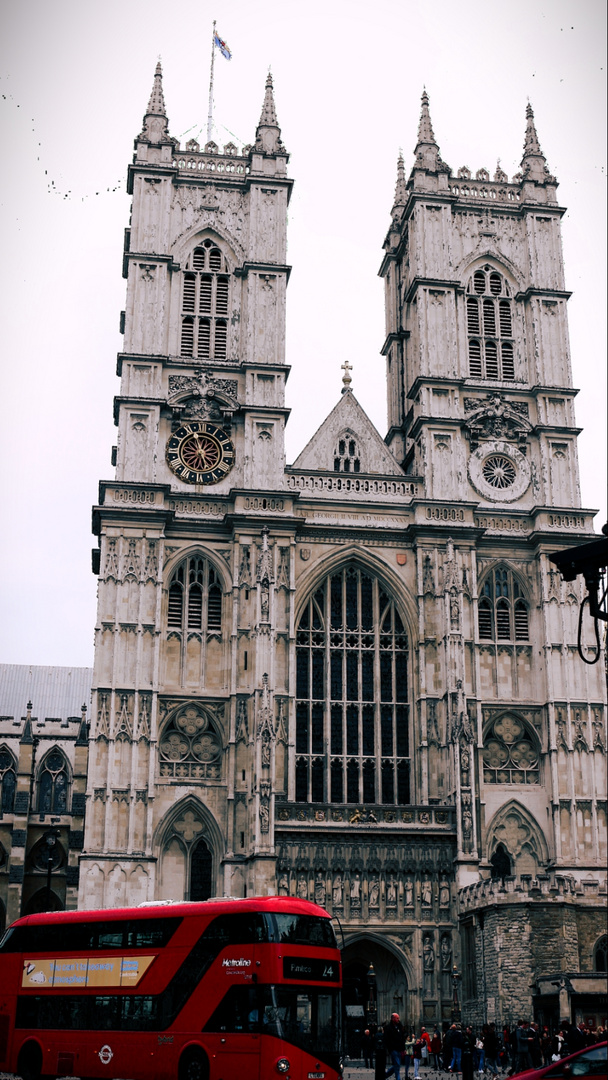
(389,989)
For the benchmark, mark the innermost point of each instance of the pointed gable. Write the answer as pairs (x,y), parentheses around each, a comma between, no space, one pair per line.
(348,424)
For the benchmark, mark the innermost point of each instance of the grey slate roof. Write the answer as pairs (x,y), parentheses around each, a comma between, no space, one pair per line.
(55,692)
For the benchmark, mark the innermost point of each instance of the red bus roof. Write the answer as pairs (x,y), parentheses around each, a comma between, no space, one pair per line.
(182,908)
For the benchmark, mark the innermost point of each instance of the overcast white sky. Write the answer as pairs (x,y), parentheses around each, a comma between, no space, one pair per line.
(75,79)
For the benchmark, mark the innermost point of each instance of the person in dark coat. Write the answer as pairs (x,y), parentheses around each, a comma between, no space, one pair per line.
(468,1048)
(491,1045)
(367,1049)
(394,1041)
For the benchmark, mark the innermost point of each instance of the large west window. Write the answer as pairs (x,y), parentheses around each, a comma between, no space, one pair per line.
(490,326)
(352,720)
(205,304)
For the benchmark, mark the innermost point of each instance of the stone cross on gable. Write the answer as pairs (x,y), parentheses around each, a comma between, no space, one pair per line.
(346,379)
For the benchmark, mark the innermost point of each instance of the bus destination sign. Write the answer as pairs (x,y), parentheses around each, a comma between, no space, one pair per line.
(305,969)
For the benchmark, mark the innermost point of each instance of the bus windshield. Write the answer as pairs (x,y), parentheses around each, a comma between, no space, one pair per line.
(308,1017)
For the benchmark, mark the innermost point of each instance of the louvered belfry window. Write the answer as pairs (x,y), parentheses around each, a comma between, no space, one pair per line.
(205,304)
(502,609)
(352,719)
(195,597)
(490,326)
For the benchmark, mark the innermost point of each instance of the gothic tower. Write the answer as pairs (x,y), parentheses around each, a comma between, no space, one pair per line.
(480,402)
(355,678)
(189,629)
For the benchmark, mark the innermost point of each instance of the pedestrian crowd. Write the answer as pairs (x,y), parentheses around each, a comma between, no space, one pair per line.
(488,1052)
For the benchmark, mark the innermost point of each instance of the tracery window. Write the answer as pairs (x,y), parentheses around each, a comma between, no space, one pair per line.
(600,954)
(53,784)
(190,746)
(346,454)
(490,326)
(502,609)
(510,753)
(352,694)
(205,304)
(8,781)
(195,597)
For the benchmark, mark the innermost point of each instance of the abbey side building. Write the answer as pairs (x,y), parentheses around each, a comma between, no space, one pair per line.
(354,678)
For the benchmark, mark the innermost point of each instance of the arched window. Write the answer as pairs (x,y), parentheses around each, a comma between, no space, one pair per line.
(190,747)
(8,781)
(490,326)
(600,954)
(205,304)
(352,695)
(511,754)
(53,785)
(346,454)
(195,597)
(502,609)
(501,863)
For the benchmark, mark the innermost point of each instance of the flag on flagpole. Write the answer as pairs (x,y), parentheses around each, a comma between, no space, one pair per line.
(222,46)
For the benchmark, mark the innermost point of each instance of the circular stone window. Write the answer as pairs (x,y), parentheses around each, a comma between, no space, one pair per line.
(499,471)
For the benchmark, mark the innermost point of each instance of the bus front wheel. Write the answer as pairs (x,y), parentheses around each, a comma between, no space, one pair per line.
(193,1065)
(29,1062)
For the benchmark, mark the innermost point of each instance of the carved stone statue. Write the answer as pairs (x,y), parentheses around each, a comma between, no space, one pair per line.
(355,890)
(374,893)
(283,885)
(319,890)
(337,891)
(409,892)
(302,888)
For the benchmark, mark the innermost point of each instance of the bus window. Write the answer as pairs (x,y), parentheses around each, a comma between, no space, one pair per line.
(302,930)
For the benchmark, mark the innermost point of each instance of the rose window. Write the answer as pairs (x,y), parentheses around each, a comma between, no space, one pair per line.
(499,471)
(510,753)
(190,747)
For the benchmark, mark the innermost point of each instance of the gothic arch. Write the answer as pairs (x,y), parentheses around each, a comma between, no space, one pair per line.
(519,832)
(384,942)
(187,825)
(198,551)
(53,782)
(497,261)
(220,727)
(523,583)
(372,564)
(195,236)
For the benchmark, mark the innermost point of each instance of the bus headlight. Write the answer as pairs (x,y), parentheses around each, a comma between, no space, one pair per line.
(283,1065)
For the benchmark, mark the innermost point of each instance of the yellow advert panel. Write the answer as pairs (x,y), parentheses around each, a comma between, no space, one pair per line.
(84,971)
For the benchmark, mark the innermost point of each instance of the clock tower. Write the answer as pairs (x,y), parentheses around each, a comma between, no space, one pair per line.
(188,630)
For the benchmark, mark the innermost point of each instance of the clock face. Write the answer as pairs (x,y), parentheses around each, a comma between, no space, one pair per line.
(200,453)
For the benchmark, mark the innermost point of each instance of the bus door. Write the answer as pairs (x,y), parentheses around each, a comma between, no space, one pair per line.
(232,1034)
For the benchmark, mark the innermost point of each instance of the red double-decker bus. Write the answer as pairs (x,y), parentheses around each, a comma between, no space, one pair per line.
(219,990)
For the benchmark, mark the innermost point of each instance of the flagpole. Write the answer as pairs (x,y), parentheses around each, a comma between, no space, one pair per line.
(210,115)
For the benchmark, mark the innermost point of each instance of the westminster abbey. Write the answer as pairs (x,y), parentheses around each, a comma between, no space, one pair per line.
(353,678)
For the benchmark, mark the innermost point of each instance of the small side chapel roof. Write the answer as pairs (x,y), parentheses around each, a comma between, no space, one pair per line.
(348,418)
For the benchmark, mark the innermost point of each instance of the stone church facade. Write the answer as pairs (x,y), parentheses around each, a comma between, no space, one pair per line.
(355,678)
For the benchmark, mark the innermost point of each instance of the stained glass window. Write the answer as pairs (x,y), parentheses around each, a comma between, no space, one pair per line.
(352,695)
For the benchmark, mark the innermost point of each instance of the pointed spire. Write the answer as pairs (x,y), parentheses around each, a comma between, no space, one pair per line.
(156,125)
(400,189)
(425,127)
(427,149)
(156,104)
(268,132)
(269,112)
(533,163)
